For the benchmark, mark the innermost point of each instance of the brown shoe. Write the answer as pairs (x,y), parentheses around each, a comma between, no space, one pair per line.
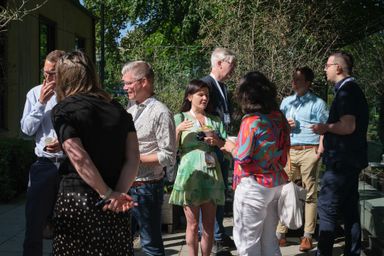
(282,242)
(306,244)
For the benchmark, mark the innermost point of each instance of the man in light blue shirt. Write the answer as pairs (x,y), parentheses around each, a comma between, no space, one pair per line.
(43,175)
(302,110)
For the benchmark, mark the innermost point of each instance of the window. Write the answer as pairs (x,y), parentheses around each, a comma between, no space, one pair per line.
(47,40)
(2,74)
(80,43)
(2,80)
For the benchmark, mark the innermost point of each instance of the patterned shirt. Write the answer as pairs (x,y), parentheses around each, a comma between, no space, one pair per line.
(261,149)
(156,131)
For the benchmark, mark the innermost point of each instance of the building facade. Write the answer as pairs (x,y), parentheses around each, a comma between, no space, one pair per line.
(58,24)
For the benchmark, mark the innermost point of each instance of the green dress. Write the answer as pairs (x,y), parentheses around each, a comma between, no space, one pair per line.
(196,182)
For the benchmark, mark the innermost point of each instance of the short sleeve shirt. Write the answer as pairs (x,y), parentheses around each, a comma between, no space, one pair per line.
(348,149)
(102,128)
(261,149)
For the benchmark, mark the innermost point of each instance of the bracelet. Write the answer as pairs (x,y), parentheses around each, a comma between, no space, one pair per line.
(107,194)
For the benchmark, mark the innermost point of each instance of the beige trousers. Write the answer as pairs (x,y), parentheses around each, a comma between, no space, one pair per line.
(304,167)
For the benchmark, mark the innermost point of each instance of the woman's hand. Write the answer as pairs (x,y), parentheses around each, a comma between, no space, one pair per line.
(183,126)
(229,146)
(214,140)
(119,202)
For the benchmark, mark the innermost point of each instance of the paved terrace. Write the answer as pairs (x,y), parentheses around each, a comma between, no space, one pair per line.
(12,222)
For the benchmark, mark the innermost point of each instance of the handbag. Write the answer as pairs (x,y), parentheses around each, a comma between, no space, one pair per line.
(171,170)
(291,204)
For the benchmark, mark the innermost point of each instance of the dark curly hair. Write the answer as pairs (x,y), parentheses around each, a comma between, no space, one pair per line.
(256,93)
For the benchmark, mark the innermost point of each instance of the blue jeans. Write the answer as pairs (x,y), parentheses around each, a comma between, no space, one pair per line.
(41,198)
(147,215)
(339,197)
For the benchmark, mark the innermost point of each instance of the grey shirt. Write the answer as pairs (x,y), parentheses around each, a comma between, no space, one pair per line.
(156,133)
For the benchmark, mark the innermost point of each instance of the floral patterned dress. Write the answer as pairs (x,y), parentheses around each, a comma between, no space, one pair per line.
(198,181)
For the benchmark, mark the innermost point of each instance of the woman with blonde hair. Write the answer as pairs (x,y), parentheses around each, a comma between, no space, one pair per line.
(99,138)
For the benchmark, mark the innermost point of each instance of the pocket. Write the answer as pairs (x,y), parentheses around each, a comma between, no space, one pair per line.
(314,154)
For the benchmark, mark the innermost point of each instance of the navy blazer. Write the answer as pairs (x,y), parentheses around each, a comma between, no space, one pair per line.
(216,99)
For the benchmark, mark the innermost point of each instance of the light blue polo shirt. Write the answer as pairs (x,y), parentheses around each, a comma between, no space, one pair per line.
(305,110)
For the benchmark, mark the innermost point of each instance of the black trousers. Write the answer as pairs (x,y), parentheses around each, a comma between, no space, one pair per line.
(339,197)
(41,198)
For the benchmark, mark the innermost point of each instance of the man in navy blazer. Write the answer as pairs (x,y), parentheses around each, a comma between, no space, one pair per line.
(223,62)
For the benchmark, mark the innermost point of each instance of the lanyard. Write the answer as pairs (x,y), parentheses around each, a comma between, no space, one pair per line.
(197,121)
(221,92)
(345,81)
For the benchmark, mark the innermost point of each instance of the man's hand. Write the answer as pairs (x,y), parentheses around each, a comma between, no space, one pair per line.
(53,147)
(291,122)
(319,128)
(46,91)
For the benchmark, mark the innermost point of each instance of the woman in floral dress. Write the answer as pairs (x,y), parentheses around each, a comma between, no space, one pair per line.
(199,183)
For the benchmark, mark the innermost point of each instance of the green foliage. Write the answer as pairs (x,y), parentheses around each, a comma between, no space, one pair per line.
(174,67)
(274,37)
(369,69)
(16,157)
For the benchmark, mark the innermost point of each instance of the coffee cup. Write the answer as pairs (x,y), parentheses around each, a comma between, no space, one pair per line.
(48,140)
(232,138)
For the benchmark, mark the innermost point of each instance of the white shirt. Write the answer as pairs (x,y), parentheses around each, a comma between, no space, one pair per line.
(36,121)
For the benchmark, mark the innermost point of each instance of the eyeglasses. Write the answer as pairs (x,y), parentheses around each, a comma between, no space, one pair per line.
(229,62)
(327,65)
(125,83)
(48,73)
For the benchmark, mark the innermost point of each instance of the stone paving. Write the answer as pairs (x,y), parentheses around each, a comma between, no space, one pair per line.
(12,223)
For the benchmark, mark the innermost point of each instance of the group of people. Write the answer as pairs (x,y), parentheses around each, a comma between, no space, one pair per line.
(100,168)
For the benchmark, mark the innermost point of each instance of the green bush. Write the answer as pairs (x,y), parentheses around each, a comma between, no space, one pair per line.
(16,157)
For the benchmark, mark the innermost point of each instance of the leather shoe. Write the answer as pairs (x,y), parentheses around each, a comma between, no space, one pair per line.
(306,244)
(223,247)
(228,242)
(282,242)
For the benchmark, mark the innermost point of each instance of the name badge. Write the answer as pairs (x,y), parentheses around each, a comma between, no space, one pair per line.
(210,160)
(227,118)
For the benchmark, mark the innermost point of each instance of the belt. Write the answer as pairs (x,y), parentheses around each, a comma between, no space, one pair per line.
(302,147)
(55,159)
(144,182)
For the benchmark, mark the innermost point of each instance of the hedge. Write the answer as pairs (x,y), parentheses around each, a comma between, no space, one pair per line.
(16,157)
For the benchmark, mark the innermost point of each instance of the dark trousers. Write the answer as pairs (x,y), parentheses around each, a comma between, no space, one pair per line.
(41,198)
(219,228)
(219,232)
(339,199)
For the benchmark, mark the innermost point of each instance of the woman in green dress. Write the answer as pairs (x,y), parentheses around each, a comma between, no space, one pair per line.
(199,183)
